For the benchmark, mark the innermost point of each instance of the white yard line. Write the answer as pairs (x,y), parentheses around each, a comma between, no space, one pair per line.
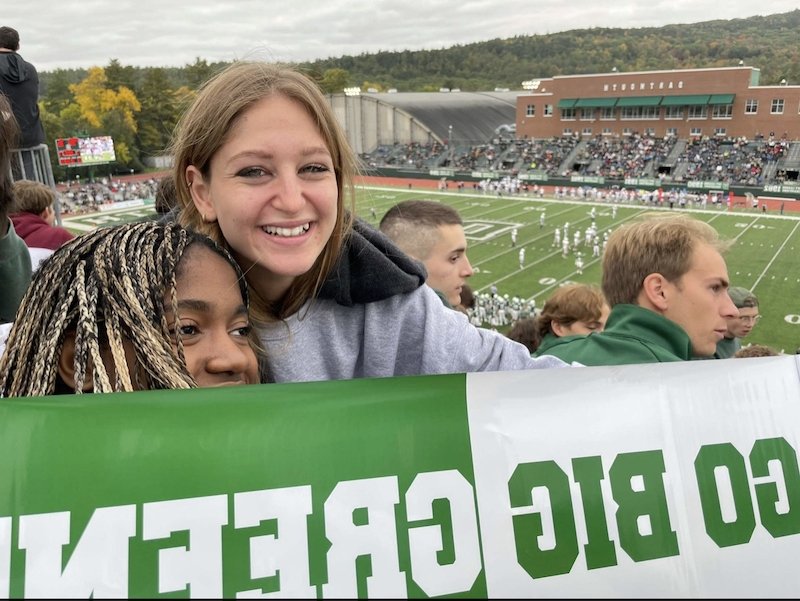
(763,273)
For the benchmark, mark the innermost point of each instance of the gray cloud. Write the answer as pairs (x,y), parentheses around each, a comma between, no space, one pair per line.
(70,34)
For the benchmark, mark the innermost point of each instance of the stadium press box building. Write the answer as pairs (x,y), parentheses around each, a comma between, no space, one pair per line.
(724,102)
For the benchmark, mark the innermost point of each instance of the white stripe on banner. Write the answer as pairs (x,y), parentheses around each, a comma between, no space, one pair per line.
(670,480)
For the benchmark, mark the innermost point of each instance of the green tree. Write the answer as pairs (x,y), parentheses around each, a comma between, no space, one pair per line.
(118,76)
(104,112)
(159,113)
(58,95)
(335,81)
(197,73)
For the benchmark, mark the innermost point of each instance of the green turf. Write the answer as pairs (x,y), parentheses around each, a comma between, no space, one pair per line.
(763,258)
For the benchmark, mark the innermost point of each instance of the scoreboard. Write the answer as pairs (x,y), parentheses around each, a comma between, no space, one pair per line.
(73,152)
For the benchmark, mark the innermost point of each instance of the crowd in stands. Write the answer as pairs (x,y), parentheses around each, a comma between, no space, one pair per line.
(737,161)
(86,198)
(618,158)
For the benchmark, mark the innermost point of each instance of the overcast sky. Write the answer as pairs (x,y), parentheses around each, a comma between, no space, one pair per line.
(171,33)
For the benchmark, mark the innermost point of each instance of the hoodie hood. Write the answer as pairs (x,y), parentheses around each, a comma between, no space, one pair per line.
(13,68)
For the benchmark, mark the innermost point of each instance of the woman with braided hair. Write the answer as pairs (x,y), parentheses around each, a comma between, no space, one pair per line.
(133,307)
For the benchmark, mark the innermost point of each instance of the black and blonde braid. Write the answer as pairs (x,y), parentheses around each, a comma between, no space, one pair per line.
(108,286)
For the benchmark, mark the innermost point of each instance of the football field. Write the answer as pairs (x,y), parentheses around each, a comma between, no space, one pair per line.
(764,257)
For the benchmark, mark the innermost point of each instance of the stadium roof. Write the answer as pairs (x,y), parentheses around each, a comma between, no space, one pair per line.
(473,115)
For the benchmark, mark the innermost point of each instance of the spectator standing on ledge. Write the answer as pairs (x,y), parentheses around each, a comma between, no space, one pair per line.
(20,83)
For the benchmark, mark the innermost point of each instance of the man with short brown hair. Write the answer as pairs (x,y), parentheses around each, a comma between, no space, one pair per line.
(433,234)
(739,326)
(667,285)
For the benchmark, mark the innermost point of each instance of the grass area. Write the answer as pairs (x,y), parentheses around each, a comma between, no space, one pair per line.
(763,258)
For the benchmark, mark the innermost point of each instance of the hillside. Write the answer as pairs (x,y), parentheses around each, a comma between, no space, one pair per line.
(770,43)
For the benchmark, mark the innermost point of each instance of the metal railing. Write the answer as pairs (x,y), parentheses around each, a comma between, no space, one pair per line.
(34,164)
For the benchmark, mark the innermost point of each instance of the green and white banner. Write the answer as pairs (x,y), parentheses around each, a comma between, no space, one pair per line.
(708,185)
(676,480)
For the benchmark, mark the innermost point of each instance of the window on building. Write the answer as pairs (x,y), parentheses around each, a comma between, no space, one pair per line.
(777,106)
(530,110)
(568,114)
(720,132)
(695,132)
(606,131)
(649,131)
(587,114)
(651,112)
(722,111)
(673,112)
(751,107)
(672,132)
(607,114)
(587,131)
(548,110)
(627,131)
(567,131)
(629,113)
(698,112)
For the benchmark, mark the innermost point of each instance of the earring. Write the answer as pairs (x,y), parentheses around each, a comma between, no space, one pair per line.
(204,217)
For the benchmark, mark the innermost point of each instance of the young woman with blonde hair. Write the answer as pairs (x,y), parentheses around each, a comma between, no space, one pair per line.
(262,166)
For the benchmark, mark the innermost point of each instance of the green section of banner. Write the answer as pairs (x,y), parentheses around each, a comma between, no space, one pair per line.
(78,454)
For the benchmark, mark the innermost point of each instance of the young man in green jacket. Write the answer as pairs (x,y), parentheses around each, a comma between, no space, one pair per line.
(667,284)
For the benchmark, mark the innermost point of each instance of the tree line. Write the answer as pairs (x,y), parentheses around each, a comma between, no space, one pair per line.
(139,106)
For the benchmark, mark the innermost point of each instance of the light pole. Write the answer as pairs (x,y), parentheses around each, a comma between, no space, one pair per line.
(450,137)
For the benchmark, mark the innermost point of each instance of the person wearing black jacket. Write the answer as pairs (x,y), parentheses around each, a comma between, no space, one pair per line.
(19,82)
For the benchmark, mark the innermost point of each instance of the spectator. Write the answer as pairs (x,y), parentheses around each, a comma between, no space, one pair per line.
(467,303)
(525,331)
(263,166)
(138,306)
(15,259)
(575,309)
(739,326)
(35,216)
(666,282)
(432,233)
(20,83)
(166,199)
(756,350)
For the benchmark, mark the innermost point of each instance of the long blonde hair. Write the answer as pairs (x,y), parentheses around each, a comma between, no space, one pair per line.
(208,124)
